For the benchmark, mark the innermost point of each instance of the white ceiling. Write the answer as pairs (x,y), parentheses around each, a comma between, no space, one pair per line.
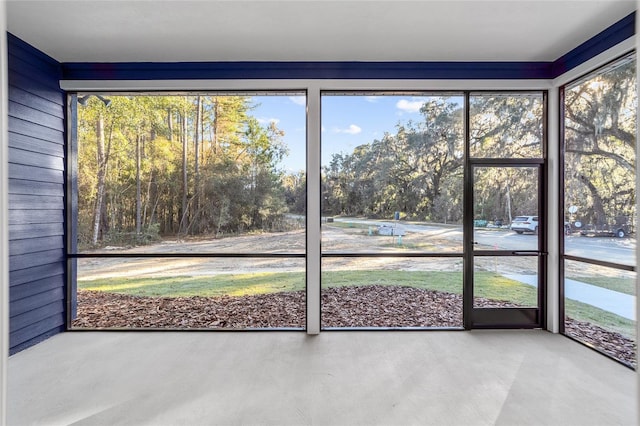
(308,30)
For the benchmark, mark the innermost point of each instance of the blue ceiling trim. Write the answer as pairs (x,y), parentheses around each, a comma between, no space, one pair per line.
(608,38)
(306,70)
(616,33)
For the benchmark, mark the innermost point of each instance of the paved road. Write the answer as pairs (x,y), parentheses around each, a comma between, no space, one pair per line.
(617,250)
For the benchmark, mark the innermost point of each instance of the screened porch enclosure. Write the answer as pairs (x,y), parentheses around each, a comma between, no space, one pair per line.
(192,213)
(153,186)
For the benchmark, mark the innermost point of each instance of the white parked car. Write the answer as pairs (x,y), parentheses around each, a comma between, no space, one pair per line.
(522,224)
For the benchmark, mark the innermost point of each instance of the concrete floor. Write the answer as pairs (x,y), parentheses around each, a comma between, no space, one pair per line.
(337,378)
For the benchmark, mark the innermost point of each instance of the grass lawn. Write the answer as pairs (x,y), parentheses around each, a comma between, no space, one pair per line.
(488,285)
(207,286)
(605,319)
(347,225)
(622,285)
(422,246)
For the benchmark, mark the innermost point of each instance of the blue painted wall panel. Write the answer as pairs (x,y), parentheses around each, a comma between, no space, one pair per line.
(36,159)
(45,243)
(32,288)
(34,130)
(28,304)
(37,280)
(25,276)
(35,202)
(23,50)
(43,329)
(36,102)
(31,230)
(37,174)
(28,143)
(31,115)
(35,258)
(38,314)
(41,90)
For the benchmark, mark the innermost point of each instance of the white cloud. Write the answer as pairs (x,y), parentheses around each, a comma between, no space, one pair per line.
(268,120)
(299,100)
(372,99)
(322,128)
(409,105)
(351,130)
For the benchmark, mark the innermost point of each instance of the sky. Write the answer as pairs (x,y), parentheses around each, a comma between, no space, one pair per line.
(347,121)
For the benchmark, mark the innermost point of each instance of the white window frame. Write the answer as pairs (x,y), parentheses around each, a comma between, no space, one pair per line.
(314,88)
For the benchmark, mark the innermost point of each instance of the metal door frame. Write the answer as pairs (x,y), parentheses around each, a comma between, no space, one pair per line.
(526,317)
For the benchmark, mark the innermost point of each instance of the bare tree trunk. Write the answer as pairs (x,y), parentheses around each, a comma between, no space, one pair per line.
(600,217)
(170,124)
(196,138)
(138,191)
(149,197)
(102,166)
(184,168)
(508,200)
(214,138)
(202,118)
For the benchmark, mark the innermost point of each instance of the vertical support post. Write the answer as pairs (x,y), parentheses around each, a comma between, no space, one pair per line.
(637,42)
(4,222)
(313,210)
(467,202)
(554,213)
(71,206)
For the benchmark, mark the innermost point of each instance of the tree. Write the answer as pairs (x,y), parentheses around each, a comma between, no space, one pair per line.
(103,161)
(417,170)
(600,145)
(137,156)
(506,126)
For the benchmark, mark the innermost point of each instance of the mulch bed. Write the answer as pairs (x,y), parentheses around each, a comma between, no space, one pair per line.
(613,344)
(365,306)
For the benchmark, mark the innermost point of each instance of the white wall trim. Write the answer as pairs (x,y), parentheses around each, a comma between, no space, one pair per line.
(302,84)
(313,90)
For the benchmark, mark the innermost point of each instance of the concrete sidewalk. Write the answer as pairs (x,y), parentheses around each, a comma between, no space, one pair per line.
(609,300)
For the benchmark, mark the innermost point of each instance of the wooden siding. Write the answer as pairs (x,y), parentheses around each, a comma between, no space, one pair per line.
(37,300)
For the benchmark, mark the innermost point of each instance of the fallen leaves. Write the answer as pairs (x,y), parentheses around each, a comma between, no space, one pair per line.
(613,344)
(110,310)
(372,306)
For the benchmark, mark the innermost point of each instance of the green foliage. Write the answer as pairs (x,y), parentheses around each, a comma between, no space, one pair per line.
(418,170)
(506,125)
(600,146)
(166,165)
(412,171)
